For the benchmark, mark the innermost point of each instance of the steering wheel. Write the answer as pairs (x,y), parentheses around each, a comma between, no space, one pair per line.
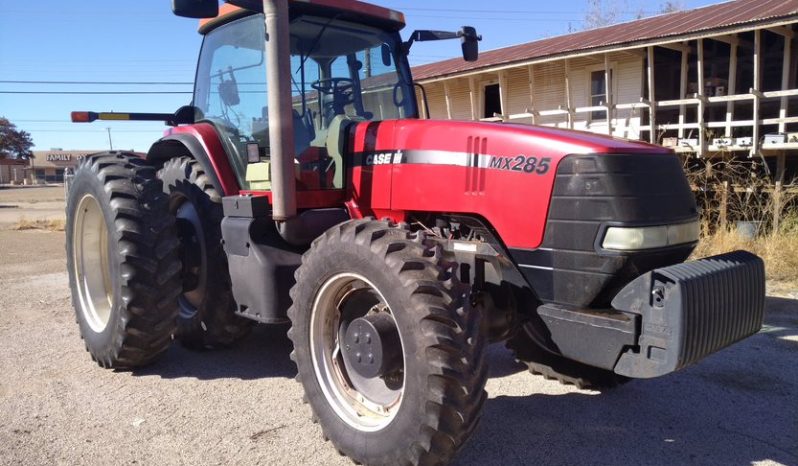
(341,90)
(334,86)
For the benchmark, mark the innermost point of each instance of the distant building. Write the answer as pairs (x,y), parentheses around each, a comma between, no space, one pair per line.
(13,171)
(46,166)
(717,80)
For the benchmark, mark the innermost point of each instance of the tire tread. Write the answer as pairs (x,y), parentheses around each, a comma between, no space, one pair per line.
(146,316)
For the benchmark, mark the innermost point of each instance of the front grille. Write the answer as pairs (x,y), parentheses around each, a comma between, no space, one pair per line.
(592,190)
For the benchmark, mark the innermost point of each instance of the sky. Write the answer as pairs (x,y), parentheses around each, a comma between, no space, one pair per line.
(142,41)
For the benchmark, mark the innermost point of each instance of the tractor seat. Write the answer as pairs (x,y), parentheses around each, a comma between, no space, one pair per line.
(304,133)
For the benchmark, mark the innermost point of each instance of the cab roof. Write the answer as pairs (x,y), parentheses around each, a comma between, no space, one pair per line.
(364,11)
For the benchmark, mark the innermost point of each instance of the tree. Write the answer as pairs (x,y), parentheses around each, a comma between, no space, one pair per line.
(602,13)
(671,6)
(14,143)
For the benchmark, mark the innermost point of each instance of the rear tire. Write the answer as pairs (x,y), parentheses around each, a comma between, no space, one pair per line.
(207,316)
(122,260)
(363,268)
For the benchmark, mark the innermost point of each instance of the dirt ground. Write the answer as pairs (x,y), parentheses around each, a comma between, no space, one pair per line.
(242,406)
(33,203)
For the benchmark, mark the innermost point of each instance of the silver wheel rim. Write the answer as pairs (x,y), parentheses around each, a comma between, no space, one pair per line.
(92,264)
(353,407)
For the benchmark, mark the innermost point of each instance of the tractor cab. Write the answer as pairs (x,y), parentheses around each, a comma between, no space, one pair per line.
(341,71)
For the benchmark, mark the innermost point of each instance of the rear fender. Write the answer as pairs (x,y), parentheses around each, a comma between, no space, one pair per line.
(200,142)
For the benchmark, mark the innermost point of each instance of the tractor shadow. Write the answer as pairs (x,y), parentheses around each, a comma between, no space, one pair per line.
(263,354)
(735,407)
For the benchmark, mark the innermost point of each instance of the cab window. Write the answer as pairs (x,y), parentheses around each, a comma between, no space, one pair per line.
(341,72)
(230,89)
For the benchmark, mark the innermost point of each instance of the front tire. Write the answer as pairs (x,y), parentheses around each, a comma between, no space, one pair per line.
(122,260)
(426,398)
(207,316)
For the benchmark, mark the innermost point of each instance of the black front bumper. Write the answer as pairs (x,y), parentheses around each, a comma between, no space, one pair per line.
(665,319)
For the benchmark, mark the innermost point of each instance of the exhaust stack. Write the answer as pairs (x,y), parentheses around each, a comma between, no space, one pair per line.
(281,131)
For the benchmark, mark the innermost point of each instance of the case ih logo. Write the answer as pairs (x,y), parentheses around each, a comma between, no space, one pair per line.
(384,158)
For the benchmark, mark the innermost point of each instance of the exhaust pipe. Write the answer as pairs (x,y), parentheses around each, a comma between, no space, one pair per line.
(295,230)
(281,124)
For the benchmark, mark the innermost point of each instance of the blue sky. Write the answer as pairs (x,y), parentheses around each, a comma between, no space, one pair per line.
(99,40)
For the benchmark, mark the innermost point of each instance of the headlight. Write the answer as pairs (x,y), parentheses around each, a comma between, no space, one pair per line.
(630,239)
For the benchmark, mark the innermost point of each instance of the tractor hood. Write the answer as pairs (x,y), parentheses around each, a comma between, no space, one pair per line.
(502,173)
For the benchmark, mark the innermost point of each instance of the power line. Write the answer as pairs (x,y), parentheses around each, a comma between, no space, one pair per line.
(497,18)
(121,83)
(14,120)
(531,12)
(41,121)
(93,130)
(96,92)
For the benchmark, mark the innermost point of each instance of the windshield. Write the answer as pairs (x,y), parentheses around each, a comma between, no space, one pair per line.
(339,71)
(341,68)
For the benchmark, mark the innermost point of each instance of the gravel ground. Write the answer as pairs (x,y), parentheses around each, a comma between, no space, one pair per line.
(31,203)
(241,406)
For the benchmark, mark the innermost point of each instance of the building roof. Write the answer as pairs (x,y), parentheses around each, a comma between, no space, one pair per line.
(710,18)
(14,162)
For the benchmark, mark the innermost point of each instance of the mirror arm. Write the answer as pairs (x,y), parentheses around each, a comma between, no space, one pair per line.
(422,35)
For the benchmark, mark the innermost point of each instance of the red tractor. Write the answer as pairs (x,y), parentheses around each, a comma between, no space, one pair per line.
(260,204)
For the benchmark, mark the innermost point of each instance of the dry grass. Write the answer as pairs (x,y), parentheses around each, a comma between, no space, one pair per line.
(777,245)
(779,250)
(39,224)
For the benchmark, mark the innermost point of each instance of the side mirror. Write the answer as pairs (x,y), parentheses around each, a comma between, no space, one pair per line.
(196,8)
(386,54)
(469,40)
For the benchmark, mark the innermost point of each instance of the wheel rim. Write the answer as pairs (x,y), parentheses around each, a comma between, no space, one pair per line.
(367,404)
(92,265)
(192,241)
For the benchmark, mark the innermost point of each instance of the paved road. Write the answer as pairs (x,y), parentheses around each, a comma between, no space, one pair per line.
(241,406)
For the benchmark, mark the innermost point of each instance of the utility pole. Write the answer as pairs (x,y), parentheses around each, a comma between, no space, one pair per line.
(110,143)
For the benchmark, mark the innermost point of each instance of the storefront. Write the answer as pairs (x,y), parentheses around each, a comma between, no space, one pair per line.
(49,166)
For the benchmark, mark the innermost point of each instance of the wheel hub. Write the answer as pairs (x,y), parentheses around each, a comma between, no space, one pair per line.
(193,257)
(357,352)
(372,347)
